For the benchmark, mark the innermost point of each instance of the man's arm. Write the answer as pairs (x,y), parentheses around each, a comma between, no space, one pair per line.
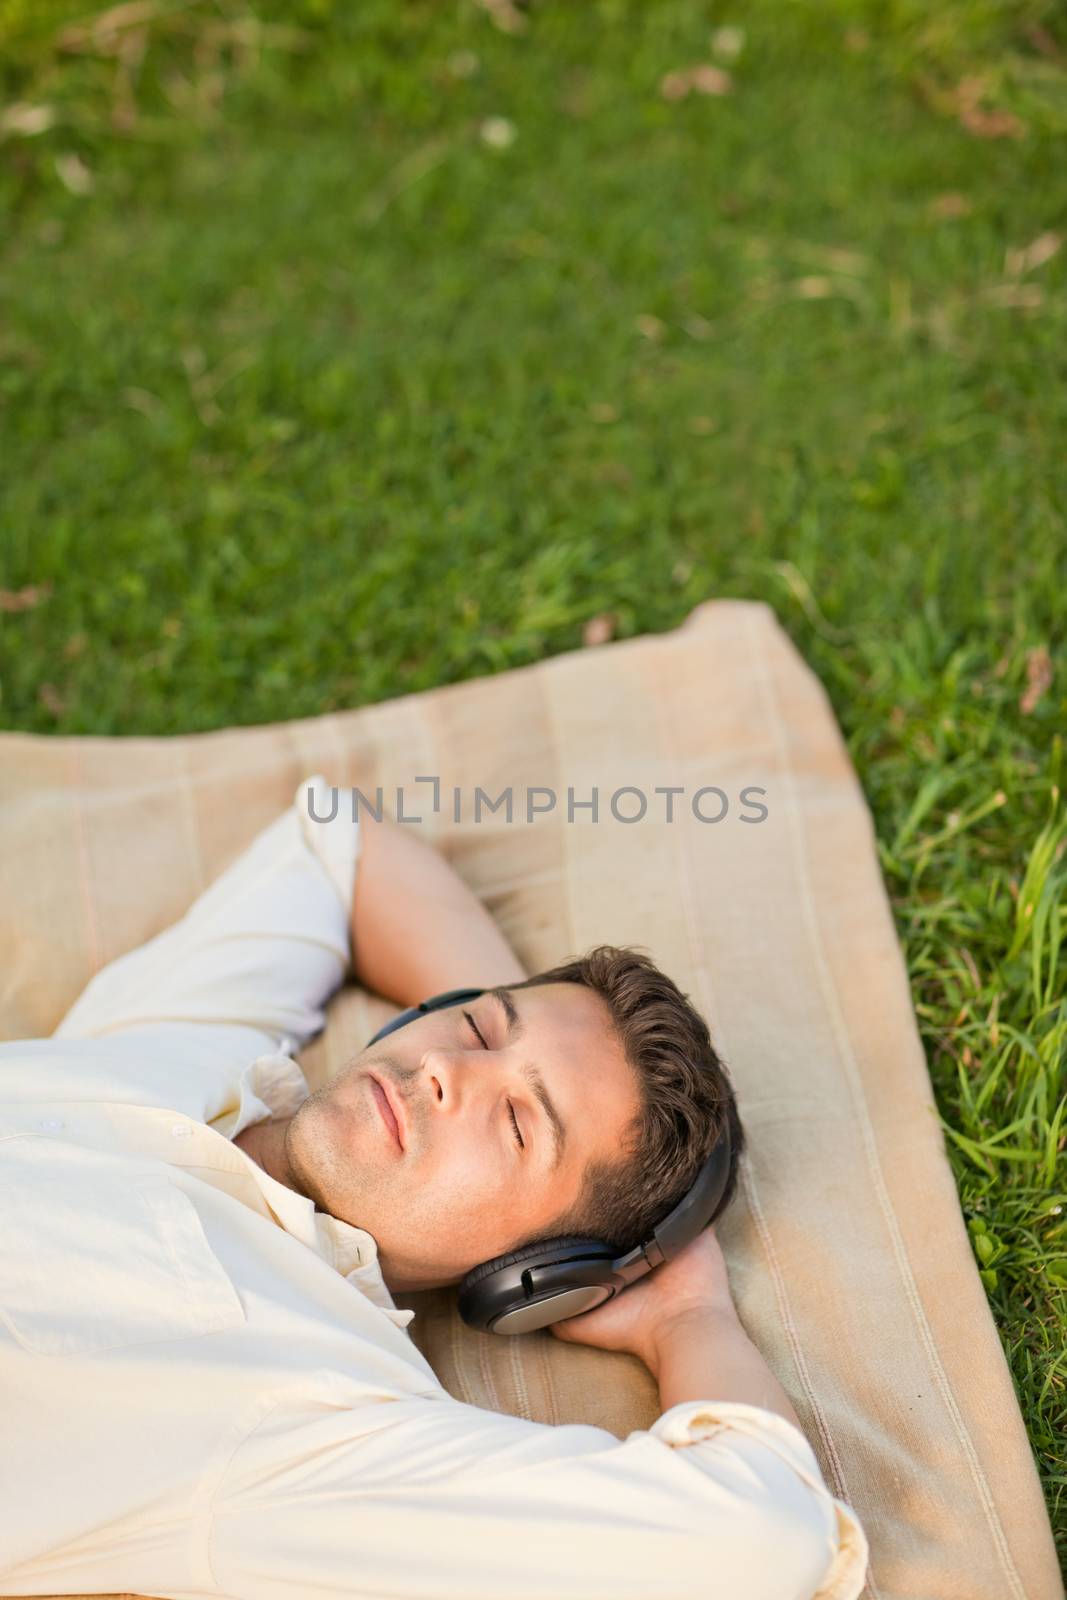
(251,965)
(430,1498)
(417,929)
(253,962)
(425,1496)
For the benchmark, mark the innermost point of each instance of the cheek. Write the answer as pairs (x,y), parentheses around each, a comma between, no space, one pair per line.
(466,1186)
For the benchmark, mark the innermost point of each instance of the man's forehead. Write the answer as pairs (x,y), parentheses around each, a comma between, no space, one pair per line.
(570,1006)
(569,1025)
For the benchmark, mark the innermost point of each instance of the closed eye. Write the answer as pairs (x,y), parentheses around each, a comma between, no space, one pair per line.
(511,1109)
(474,1029)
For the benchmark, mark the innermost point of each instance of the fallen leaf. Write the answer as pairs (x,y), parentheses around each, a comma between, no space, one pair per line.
(1032,256)
(651,327)
(1043,42)
(51,699)
(982,121)
(728,42)
(463,63)
(712,80)
(74,174)
(24,599)
(950,205)
(856,40)
(75,646)
(93,35)
(1022,296)
(599,629)
(834,258)
(143,401)
(497,132)
(1038,678)
(616,472)
(505,15)
(26,119)
(702,425)
(674,85)
(813,288)
(706,79)
(991,124)
(603,413)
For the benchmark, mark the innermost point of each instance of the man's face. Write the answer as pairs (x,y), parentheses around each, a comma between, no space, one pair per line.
(461,1189)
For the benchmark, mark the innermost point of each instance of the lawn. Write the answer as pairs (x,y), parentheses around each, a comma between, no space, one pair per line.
(348,350)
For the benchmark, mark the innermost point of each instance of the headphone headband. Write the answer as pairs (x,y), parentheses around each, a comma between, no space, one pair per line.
(544,1283)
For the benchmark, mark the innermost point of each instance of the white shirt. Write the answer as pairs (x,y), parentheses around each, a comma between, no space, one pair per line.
(206,1386)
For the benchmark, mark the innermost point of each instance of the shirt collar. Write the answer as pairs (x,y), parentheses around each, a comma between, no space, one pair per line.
(274,1086)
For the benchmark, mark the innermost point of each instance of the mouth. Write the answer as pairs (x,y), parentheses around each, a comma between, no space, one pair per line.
(388,1108)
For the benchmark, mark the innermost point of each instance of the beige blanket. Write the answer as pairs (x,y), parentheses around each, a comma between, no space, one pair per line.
(846,1247)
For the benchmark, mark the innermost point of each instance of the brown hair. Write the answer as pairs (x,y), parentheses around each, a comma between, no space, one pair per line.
(685,1096)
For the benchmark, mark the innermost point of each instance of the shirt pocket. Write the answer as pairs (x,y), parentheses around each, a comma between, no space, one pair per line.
(104,1262)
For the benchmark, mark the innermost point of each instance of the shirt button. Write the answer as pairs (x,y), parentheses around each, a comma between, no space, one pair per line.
(181,1130)
(50,1124)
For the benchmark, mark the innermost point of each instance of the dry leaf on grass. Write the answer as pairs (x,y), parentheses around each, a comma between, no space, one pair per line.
(74,174)
(463,63)
(651,327)
(705,79)
(51,699)
(950,205)
(1043,42)
(1032,256)
(24,599)
(985,122)
(1038,678)
(965,102)
(497,132)
(813,288)
(25,119)
(728,42)
(1016,296)
(505,15)
(599,629)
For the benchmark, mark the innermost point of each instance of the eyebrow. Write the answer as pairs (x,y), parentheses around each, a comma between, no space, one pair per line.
(515,1031)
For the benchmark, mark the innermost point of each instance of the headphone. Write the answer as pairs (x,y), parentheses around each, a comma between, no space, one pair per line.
(544,1283)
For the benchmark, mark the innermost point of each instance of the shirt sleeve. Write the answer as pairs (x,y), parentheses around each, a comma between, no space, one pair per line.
(258,954)
(432,1499)
(695,1420)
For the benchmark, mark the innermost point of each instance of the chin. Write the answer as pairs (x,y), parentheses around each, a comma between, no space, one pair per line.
(301,1174)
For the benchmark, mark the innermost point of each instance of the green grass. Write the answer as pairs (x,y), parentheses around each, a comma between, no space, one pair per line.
(316,397)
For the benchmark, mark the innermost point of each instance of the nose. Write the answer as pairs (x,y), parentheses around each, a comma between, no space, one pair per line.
(450,1077)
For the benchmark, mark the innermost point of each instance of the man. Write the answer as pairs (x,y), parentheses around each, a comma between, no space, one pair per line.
(207,1386)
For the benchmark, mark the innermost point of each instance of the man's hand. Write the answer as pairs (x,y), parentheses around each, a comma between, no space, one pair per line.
(694,1286)
(682,1323)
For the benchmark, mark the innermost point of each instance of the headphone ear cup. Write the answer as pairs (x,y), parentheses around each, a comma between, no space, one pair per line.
(547,1250)
(495,1289)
